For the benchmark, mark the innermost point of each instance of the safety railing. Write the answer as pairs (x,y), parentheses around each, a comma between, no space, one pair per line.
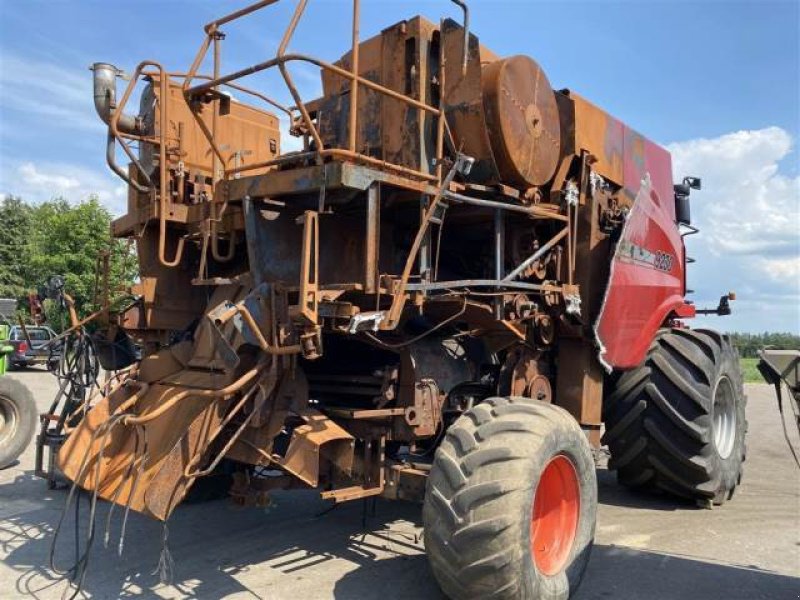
(296,114)
(154,71)
(161,141)
(213,39)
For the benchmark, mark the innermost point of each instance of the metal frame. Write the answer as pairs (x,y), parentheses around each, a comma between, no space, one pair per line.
(280,60)
(210,86)
(151,70)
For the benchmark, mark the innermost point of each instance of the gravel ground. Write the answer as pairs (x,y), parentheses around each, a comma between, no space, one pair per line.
(646,547)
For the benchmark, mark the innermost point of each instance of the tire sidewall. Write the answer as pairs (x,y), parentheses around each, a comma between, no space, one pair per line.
(560,586)
(729,468)
(22,400)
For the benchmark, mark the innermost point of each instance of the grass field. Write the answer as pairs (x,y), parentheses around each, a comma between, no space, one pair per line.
(751,374)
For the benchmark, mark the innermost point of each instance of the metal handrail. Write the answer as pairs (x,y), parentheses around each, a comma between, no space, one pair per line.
(213,37)
(280,61)
(115,134)
(234,86)
(161,140)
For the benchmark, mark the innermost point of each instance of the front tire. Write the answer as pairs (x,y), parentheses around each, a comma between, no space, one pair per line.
(17,420)
(511,502)
(677,423)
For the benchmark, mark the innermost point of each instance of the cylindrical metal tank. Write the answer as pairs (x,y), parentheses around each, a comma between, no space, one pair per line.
(522,120)
(502,112)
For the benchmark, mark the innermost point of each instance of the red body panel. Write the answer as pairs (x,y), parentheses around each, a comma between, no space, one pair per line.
(647,272)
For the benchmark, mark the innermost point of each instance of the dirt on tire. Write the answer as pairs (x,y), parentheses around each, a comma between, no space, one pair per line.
(480,497)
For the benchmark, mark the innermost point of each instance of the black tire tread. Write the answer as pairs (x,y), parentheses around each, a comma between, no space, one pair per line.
(470,540)
(658,416)
(21,397)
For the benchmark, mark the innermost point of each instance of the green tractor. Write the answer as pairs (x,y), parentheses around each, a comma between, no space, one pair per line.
(17,409)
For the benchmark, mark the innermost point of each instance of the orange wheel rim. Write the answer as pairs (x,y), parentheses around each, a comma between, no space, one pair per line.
(554,519)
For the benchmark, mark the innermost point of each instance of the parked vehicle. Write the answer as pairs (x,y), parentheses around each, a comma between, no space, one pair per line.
(30,349)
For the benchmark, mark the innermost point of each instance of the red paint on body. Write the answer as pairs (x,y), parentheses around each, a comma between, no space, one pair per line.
(642,294)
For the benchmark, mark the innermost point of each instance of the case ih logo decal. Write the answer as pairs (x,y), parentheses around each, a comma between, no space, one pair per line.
(630,252)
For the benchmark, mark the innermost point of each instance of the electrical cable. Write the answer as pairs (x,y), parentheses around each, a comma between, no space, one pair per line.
(75,364)
(424,334)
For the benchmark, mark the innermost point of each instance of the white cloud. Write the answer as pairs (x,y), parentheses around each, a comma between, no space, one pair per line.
(40,182)
(61,95)
(52,181)
(749,216)
(39,93)
(751,207)
(782,269)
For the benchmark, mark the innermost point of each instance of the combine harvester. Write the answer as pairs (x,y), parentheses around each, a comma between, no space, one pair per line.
(442,297)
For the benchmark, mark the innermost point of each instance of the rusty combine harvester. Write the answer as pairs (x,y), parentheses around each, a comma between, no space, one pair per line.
(442,297)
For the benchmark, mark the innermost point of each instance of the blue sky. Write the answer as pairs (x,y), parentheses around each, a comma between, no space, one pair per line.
(717,82)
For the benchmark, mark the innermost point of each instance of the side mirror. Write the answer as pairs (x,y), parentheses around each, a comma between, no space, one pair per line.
(694,183)
(683,210)
(683,213)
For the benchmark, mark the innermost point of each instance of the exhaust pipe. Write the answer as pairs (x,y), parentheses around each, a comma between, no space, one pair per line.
(105,103)
(105,98)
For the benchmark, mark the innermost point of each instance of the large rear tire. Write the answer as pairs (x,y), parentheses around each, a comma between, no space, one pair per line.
(677,423)
(17,420)
(510,503)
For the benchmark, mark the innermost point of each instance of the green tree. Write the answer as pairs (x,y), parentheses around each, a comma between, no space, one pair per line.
(15,230)
(56,238)
(66,240)
(749,344)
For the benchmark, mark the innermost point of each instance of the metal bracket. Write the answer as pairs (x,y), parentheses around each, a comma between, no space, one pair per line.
(573,302)
(366,321)
(307,307)
(571,194)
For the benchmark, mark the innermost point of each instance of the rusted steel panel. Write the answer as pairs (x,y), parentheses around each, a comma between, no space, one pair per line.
(275,242)
(402,58)
(172,439)
(603,136)
(165,302)
(579,384)
(318,440)
(248,134)
(464,101)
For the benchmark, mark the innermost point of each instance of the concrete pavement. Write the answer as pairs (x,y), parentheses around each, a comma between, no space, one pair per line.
(646,547)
